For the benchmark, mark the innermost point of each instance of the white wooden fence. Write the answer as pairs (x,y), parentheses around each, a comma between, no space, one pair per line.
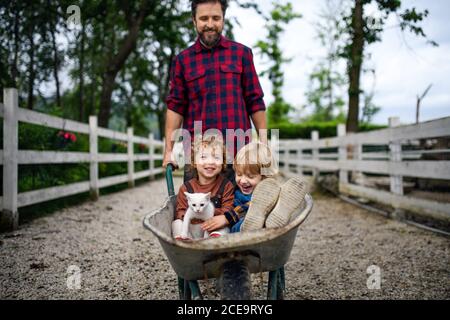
(11,157)
(314,156)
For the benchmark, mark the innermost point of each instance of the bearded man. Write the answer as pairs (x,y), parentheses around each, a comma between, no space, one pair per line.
(213,82)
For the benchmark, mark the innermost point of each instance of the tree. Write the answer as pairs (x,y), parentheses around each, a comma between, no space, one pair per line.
(326,81)
(369,109)
(134,17)
(280,16)
(363,30)
(29,59)
(117,57)
(419,100)
(54,18)
(322,94)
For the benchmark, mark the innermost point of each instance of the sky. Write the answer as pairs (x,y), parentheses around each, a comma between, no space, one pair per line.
(404,64)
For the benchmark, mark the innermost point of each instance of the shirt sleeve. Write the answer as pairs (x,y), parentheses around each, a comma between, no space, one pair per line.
(182,204)
(252,91)
(227,200)
(177,100)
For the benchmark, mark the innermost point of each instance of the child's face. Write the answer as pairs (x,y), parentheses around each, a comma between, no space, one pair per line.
(247,181)
(209,162)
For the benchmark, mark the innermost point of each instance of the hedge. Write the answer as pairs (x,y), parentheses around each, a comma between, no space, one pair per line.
(326,129)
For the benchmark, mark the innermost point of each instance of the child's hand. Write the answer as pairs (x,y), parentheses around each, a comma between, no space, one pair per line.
(216,222)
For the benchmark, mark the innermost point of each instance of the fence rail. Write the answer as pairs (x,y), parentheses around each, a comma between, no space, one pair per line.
(395,161)
(11,157)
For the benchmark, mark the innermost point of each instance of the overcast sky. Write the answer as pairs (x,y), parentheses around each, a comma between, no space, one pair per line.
(405,65)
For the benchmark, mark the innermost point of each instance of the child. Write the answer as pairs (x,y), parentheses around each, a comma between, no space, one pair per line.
(259,199)
(208,161)
(253,164)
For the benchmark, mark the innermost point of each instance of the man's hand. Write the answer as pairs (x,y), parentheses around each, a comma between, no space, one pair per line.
(216,222)
(173,122)
(263,136)
(169,158)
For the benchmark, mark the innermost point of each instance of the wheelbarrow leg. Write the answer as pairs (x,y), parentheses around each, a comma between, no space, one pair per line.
(272,285)
(181,288)
(195,290)
(275,287)
(188,290)
(282,278)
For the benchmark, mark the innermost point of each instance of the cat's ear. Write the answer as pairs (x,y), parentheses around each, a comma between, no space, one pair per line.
(208,195)
(187,194)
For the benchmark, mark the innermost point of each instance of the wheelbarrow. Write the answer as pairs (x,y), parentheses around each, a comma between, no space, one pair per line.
(230,258)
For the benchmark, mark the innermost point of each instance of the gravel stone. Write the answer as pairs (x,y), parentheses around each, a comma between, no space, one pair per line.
(119,259)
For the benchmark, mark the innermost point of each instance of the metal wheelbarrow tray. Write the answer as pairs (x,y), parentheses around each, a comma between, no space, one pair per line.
(231,258)
(267,249)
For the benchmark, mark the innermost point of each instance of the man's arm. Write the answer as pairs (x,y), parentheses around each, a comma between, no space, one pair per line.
(253,96)
(176,105)
(259,120)
(173,122)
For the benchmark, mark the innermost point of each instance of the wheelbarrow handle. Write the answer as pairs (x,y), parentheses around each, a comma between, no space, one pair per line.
(169,179)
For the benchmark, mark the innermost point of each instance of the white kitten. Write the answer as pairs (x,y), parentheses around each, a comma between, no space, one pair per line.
(200,207)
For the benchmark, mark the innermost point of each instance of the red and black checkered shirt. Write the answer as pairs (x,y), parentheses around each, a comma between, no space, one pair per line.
(217,86)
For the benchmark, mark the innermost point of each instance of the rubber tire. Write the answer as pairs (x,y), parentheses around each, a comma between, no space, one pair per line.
(235,282)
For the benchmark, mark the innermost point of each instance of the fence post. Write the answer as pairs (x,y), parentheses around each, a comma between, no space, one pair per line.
(151,152)
(10,216)
(292,160)
(358,176)
(93,151)
(299,158)
(315,153)
(342,154)
(396,156)
(287,157)
(130,158)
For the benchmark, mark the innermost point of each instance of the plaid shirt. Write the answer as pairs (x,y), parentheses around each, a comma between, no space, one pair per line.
(217,86)
(237,213)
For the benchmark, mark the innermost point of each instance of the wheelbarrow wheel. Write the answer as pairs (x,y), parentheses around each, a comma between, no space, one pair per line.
(235,283)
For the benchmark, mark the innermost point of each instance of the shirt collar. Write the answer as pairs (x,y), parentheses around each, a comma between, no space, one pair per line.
(223,42)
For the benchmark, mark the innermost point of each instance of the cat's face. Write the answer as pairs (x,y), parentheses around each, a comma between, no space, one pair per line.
(198,201)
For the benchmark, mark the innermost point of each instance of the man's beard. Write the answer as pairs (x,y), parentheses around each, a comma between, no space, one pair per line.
(211,39)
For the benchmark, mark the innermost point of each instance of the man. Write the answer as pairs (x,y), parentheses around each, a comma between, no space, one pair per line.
(213,81)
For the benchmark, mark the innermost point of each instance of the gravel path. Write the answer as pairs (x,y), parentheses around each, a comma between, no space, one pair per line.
(119,259)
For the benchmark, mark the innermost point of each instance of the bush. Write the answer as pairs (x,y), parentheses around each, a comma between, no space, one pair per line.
(326,129)
(37,176)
